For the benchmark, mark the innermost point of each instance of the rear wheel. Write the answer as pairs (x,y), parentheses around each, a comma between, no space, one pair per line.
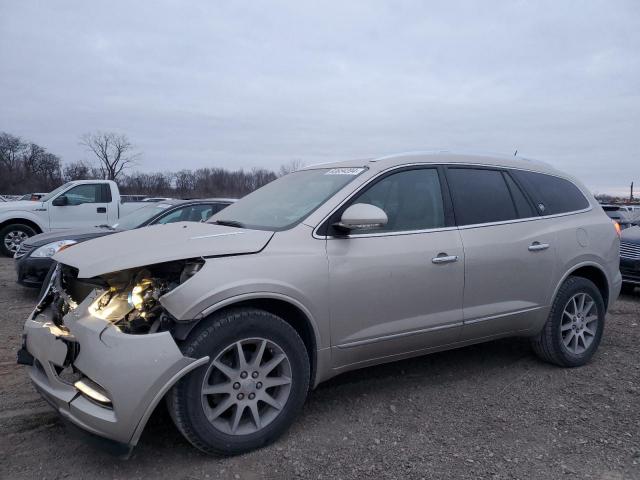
(12,236)
(575,325)
(252,388)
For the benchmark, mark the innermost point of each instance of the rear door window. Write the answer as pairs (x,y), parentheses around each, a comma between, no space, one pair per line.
(552,195)
(480,196)
(524,208)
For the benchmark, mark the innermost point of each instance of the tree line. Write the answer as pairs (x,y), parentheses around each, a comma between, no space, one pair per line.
(27,167)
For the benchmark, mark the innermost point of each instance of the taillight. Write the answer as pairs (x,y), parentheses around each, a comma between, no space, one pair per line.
(616,225)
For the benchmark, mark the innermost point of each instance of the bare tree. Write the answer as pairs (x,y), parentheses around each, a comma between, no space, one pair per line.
(113,151)
(26,167)
(11,152)
(290,167)
(77,171)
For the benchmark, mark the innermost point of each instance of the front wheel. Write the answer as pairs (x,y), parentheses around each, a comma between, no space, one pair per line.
(251,390)
(575,325)
(12,236)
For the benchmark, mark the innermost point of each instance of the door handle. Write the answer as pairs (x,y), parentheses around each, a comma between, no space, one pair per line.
(101,209)
(537,246)
(444,258)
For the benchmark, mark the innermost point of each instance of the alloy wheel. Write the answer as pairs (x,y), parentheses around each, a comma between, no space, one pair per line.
(13,240)
(246,386)
(579,323)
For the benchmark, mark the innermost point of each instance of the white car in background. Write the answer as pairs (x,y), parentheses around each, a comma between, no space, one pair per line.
(82,203)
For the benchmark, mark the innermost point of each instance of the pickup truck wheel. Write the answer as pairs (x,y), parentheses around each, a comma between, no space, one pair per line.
(575,325)
(12,237)
(252,389)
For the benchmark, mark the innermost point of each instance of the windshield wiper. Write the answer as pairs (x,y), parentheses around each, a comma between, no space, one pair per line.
(104,225)
(229,223)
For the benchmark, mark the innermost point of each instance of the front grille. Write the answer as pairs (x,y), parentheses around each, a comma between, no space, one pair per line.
(630,250)
(23,250)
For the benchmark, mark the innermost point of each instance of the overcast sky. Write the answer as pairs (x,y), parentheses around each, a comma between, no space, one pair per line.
(244,84)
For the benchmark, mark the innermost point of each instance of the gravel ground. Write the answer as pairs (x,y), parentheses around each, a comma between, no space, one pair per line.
(487,411)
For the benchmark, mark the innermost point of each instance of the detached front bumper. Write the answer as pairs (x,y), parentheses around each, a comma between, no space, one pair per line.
(133,371)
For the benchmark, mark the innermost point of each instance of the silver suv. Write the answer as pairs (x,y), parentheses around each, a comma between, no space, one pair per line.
(328,269)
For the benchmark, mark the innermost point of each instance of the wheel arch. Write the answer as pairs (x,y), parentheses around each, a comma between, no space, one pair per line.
(593,272)
(22,221)
(287,308)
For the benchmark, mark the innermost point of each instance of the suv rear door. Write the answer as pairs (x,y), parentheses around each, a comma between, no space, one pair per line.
(396,290)
(509,252)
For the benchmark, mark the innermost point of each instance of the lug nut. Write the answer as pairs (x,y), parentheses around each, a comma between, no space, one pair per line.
(243,375)
(236,386)
(254,374)
(259,385)
(252,396)
(240,396)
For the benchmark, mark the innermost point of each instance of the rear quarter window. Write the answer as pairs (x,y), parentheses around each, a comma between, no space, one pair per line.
(552,195)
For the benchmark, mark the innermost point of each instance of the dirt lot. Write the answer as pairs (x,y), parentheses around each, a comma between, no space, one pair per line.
(488,411)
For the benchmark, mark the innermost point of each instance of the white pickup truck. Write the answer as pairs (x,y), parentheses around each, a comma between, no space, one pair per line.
(82,203)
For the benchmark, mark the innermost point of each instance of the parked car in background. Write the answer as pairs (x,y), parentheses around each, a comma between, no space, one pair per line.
(619,214)
(155,199)
(32,196)
(34,257)
(81,203)
(325,270)
(630,259)
(132,198)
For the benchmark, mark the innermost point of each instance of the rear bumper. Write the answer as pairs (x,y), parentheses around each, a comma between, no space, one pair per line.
(134,371)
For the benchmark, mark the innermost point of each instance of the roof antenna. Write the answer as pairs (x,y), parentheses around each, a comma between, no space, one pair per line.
(515,153)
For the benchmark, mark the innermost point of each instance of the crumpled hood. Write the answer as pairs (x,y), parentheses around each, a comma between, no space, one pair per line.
(77,234)
(158,244)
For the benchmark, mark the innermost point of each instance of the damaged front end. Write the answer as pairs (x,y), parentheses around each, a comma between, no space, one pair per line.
(131,298)
(101,350)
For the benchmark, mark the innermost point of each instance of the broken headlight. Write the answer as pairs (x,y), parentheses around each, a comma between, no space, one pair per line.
(132,301)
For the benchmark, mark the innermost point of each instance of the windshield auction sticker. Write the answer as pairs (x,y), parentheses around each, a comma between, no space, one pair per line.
(344,171)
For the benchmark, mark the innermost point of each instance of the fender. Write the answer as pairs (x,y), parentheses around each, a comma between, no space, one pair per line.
(261,296)
(573,268)
(20,216)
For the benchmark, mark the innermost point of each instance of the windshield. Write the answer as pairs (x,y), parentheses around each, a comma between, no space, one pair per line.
(50,195)
(140,216)
(281,204)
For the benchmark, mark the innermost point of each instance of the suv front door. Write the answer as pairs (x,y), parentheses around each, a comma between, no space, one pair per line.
(396,290)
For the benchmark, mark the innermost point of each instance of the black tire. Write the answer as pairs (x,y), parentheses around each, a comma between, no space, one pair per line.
(14,227)
(628,288)
(211,338)
(549,345)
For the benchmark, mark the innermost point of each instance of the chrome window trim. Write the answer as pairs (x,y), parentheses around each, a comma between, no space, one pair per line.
(442,229)
(527,219)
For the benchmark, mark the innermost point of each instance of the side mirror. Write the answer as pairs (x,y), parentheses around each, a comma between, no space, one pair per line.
(362,216)
(60,201)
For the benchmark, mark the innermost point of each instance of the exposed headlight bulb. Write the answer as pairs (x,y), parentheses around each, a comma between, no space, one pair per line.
(136,295)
